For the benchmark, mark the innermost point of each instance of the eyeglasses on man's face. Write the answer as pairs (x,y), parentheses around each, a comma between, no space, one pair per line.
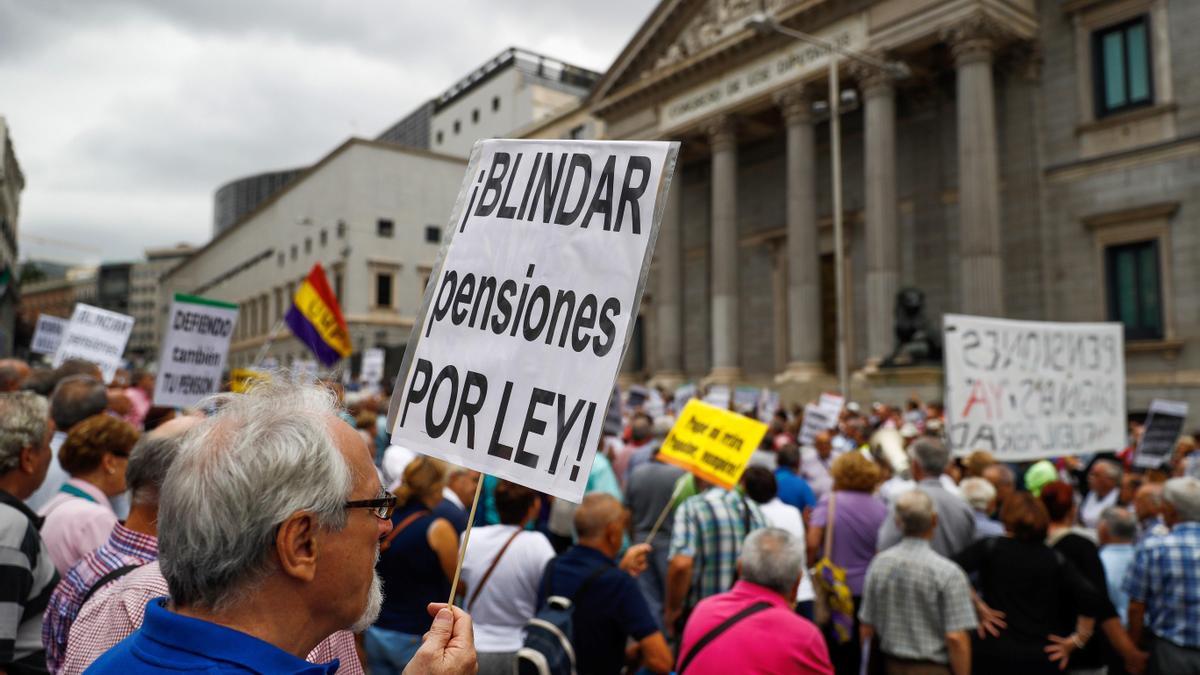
(382,506)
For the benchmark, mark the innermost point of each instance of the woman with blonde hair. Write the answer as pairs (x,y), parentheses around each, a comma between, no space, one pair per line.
(857,516)
(80,517)
(417,560)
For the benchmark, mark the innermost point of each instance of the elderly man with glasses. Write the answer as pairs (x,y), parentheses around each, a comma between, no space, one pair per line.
(269,528)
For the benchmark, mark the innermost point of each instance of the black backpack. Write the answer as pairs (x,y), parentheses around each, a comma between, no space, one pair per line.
(548,646)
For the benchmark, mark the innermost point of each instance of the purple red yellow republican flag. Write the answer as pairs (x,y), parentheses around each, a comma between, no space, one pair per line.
(316,320)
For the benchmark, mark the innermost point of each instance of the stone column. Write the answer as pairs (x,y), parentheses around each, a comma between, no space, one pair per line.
(722,136)
(668,293)
(883,242)
(803,245)
(982,277)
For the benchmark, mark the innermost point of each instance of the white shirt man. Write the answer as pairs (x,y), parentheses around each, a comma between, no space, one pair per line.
(1103,478)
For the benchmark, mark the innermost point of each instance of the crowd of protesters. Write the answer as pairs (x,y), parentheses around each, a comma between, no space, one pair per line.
(279,531)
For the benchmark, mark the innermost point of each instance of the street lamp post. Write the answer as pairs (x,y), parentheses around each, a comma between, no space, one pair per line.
(764,23)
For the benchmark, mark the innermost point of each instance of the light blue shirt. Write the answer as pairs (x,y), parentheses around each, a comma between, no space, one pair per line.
(1116,559)
(986,527)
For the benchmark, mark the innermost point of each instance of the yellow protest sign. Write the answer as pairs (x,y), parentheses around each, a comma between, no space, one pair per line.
(241,379)
(713,443)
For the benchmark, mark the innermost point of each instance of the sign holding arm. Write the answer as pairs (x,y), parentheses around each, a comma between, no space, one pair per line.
(528,314)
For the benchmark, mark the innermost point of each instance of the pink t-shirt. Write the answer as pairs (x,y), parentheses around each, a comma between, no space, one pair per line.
(783,641)
(76,526)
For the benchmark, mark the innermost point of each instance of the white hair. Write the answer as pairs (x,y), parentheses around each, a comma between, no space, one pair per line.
(1122,524)
(374,604)
(1112,468)
(914,513)
(978,492)
(239,474)
(1184,495)
(773,558)
(23,419)
(930,454)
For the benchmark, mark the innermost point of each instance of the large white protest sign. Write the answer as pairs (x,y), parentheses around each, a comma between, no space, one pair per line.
(48,334)
(95,335)
(514,355)
(194,350)
(372,366)
(1030,389)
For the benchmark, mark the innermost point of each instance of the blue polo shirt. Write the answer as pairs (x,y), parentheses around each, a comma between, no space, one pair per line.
(794,490)
(171,643)
(612,610)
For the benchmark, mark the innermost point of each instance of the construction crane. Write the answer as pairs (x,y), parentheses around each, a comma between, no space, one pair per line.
(50,241)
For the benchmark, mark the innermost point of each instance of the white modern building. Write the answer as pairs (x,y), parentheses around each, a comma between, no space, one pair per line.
(372,213)
(144,296)
(511,91)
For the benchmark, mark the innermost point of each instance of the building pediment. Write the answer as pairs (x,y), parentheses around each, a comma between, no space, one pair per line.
(683,32)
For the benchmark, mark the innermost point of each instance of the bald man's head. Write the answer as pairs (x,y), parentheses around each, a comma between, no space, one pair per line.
(600,521)
(595,513)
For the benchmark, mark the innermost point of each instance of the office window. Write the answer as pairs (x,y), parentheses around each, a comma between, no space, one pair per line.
(281,258)
(341,229)
(295,251)
(1121,55)
(1134,289)
(324,238)
(433,234)
(385,228)
(457,126)
(495,103)
(307,245)
(383,289)
(475,116)
(439,137)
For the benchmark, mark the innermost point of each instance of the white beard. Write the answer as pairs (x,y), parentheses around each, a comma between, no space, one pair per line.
(374,606)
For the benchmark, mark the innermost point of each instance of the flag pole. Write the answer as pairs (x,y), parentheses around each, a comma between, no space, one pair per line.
(262,351)
(666,509)
(462,550)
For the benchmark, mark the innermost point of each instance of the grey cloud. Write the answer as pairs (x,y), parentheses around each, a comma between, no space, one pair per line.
(131,112)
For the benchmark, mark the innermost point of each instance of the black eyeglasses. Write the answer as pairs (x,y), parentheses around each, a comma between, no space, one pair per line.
(381,506)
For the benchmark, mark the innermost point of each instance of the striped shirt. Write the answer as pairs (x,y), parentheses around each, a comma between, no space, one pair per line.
(124,547)
(27,577)
(710,528)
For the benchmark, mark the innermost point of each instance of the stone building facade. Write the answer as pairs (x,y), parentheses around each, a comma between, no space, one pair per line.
(1034,159)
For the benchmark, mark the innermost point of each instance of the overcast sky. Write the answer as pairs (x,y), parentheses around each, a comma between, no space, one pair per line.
(127,114)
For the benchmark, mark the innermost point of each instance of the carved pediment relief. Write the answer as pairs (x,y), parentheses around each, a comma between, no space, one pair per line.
(681,30)
(714,21)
